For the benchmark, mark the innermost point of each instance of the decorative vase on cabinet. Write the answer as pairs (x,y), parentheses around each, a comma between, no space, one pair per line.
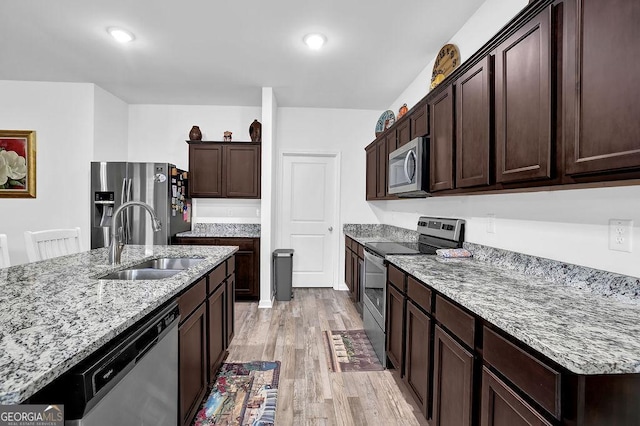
(255,131)
(195,134)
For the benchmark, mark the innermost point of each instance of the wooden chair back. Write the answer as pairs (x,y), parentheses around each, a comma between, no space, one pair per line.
(4,252)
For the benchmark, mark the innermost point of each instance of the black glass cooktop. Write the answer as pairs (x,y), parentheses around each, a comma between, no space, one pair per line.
(384,248)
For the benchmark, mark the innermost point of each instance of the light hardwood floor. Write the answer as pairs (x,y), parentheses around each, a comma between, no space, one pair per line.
(309,393)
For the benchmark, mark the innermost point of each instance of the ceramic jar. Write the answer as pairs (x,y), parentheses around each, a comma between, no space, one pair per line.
(255,131)
(195,134)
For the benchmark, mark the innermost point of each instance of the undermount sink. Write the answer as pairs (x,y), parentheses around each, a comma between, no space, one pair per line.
(140,274)
(154,269)
(168,263)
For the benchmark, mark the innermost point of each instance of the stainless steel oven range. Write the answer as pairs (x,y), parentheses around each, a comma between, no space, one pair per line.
(434,233)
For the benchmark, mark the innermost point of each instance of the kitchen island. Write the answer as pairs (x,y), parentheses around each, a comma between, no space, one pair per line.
(55,313)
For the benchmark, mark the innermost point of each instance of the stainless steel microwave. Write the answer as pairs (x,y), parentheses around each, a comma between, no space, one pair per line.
(409,169)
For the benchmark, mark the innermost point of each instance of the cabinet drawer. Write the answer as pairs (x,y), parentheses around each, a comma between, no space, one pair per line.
(396,277)
(243,244)
(193,297)
(348,242)
(216,277)
(460,323)
(420,294)
(537,380)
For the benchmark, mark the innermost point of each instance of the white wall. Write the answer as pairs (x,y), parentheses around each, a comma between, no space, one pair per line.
(110,127)
(62,115)
(158,133)
(267,193)
(345,132)
(565,225)
(484,24)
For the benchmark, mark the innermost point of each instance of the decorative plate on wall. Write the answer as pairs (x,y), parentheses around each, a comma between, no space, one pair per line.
(385,121)
(447,60)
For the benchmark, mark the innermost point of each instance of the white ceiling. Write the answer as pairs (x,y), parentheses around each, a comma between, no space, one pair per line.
(206,52)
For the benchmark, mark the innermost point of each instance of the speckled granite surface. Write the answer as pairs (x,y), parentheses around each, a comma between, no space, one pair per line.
(370,232)
(222,230)
(584,332)
(56,312)
(608,284)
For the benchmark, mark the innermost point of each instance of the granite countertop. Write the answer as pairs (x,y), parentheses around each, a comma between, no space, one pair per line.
(582,331)
(584,319)
(223,230)
(55,313)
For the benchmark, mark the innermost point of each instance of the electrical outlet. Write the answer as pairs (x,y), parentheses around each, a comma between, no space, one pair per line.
(229,212)
(620,234)
(491,223)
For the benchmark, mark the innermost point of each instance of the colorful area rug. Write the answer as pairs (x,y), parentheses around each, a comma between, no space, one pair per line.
(243,394)
(350,350)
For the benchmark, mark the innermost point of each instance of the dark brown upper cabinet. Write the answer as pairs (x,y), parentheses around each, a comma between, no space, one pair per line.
(442,140)
(523,92)
(372,172)
(403,131)
(383,159)
(419,118)
(205,167)
(473,125)
(224,170)
(602,130)
(377,160)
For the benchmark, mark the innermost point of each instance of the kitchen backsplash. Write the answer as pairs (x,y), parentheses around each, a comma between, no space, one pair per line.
(605,283)
(393,233)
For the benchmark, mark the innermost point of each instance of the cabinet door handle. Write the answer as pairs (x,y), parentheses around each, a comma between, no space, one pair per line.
(331,229)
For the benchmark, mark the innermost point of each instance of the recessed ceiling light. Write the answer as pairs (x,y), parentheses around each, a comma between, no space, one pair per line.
(121,36)
(315,41)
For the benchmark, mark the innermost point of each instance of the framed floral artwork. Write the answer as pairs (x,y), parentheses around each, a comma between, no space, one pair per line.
(17,164)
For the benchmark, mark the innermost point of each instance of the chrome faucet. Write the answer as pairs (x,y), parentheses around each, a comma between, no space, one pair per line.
(117,245)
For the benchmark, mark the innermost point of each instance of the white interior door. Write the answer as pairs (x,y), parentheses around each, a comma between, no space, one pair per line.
(309,218)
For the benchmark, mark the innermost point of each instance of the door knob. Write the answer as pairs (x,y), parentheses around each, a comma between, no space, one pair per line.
(331,229)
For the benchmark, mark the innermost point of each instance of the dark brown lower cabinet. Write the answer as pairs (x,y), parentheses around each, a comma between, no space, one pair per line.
(452,381)
(203,335)
(193,363)
(217,338)
(230,311)
(395,326)
(417,365)
(247,260)
(502,407)
(348,270)
(353,258)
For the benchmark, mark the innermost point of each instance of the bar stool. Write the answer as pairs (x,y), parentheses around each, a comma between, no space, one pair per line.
(43,245)
(4,252)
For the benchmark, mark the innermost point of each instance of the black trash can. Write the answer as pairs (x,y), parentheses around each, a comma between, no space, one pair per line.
(283,273)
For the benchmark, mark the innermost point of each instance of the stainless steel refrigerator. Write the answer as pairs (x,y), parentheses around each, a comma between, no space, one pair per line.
(161,185)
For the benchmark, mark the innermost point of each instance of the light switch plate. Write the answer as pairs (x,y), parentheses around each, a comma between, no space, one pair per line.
(491,223)
(620,235)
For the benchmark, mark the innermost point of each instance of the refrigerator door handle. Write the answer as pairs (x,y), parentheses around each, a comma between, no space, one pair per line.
(123,199)
(128,231)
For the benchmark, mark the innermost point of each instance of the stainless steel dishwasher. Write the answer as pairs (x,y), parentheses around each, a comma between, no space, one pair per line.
(134,381)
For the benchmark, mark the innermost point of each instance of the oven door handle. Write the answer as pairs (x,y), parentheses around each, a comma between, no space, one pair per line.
(375,259)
